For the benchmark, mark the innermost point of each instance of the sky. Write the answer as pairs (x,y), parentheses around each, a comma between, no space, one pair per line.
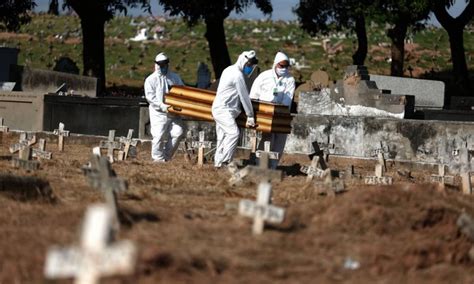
(282,10)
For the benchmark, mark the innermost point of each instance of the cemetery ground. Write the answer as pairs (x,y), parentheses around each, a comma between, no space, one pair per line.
(184,220)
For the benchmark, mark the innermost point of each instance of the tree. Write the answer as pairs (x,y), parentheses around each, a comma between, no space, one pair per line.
(14,13)
(319,16)
(94,14)
(402,14)
(53,7)
(213,12)
(455,29)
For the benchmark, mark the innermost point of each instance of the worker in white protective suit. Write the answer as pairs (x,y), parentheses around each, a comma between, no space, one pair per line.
(277,86)
(231,96)
(163,124)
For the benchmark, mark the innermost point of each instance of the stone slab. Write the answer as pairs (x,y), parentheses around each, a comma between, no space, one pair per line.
(22,110)
(428,93)
(46,81)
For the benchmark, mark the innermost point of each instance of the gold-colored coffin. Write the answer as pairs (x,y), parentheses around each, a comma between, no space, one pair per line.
(197,103)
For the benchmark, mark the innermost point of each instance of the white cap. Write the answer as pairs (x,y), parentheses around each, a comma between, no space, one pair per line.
(161,57)
(280,56)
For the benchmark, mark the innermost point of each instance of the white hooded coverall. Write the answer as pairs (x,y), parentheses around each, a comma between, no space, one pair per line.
(269,87)
(231,95)
(162,124)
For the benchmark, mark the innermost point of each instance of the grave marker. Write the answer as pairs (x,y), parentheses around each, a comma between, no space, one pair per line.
(379,178)
(110,145)
(41,152)
(3,129)
(266,155)
(380,154)
(201,145)
(96,256)
(329,186)
(466,183)
(441,178)
(322,150)
(313,170)
(127,141)
(23,142)
(24,160)
(260,210)
(61,133)
(263,174)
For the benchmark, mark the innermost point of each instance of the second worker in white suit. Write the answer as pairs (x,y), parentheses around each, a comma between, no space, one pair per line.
(163,125)
(231,96)
(275,85)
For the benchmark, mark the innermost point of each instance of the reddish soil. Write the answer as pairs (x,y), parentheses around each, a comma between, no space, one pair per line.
(184,220)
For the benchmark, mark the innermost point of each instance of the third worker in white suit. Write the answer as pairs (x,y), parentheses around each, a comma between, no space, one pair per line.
(231,96)
(163,125)
(275,85)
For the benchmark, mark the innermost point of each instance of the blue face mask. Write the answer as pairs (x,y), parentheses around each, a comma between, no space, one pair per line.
(248,70)
(164,70)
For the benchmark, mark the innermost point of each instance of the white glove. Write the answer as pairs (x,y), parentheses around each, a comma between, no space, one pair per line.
(250,122)
(164,107)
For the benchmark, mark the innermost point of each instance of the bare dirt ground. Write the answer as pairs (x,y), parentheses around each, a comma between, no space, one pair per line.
(184,220)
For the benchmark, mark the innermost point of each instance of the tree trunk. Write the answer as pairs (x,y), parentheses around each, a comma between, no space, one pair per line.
(358,58)
(93,49)
(397,34)
(215,36)
(460,71)
(53,7)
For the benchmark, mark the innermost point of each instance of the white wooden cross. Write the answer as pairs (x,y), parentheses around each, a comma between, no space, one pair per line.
(261,210)
(111,145)
(24,142)
(380,154)
(61,133)
(41,152)
(95,256)
(24,160)
(103,178)
(127,142)
(266,155)
(379,178)
(441,177)
(313,170)
(466,183)
(202,144)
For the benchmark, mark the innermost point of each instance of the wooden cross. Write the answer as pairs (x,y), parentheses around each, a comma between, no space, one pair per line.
(261,210)
(253,139)
(466,183)
(95,256)
(313,170)
(380,154)
(202,144)
(441,178)
(61,133)
(379,178)
(127,142)
(3,129)
(41,152)
(110,145)
(266,155)
(329,186)
(102,177)
(24,160)
(24,142)
(321,153)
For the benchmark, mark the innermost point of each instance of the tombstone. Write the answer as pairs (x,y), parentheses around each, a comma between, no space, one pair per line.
(66,65)
(61,133)
(41,152)
(24,160)
(266,155)
(24,141)
(429,94)
(127,142)
(329,186)
(441,178)
(110,145)
(379,177)
(201,145)
(203,76)
(96,256)
(313,170)
(261,210)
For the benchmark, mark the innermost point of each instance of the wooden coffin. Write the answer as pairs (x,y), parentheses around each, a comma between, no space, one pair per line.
(197,103)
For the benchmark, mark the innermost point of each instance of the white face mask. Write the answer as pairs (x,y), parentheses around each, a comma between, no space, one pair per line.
(281,71)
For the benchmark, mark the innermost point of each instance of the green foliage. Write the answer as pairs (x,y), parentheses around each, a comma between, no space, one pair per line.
(14,13)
